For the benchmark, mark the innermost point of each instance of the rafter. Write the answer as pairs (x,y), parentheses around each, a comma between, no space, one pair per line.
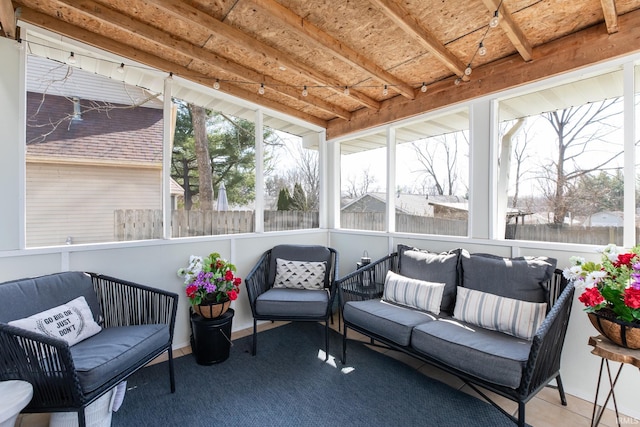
(412,27)
(511,29)
(234,36)
(136,30)
(121,49)
(317,36)
(610,15)
(7,19)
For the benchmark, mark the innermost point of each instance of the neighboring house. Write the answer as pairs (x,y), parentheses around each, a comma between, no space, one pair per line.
(605,219)
(409,204)
(80,171)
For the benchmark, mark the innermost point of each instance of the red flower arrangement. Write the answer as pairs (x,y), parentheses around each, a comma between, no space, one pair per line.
(210,280)
(612,285)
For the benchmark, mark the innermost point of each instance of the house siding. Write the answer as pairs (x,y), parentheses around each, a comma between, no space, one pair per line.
(78,201)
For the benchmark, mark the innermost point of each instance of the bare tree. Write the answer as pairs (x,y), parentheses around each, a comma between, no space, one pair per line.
(437,153)
(360,185)
(199,120)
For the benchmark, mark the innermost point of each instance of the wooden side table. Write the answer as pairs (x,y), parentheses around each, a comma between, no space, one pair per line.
(609,351)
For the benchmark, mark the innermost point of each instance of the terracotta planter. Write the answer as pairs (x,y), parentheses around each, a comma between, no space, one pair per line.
(212,310)
(624,334)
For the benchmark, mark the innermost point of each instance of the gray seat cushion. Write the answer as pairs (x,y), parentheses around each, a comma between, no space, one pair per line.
(114,350)
(287,302)
(489,355)
(385,319)
(42,293)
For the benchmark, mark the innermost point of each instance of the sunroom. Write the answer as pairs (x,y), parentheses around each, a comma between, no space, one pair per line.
(499,127)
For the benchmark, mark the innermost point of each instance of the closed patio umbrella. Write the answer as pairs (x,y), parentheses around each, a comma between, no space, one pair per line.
(223,203)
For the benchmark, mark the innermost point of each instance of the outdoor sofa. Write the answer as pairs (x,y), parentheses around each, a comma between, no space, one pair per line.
(494,322)
(75,336)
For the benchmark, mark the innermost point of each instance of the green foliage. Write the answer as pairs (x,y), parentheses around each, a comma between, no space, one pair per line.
(299,199)
(284,200)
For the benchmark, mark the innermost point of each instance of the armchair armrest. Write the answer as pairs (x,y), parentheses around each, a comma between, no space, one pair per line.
(42,361)
(125,303)
(257,279)
(367,282)
(546,349)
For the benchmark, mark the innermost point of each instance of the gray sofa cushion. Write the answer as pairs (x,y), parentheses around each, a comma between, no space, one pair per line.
(432,267)
(42,293)
(292,302)
(385,319)
(492,356)
(518,278)
(112,351)
(300,253)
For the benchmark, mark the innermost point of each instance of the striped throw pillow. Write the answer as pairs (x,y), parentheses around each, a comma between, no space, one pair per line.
(414,293)
(510,316)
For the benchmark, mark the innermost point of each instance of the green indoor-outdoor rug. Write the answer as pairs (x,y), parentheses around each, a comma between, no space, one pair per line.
(288,383)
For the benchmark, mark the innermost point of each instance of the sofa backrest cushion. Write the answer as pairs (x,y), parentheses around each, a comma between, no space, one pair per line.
(26,297)
(432,267)
(301,253)
(518,278)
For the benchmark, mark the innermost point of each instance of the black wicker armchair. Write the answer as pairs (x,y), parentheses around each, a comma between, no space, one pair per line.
(286,303)
(137,326)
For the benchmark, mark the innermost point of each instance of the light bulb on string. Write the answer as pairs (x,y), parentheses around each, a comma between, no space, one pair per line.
(468,70)
(170,75)
(19,44)
(120,69)
(304,91)
(457,81)
(385,91)
(216,84)
(346,90)
(71,59)
(482,51)
(495,20)
(261,89)
(423,89)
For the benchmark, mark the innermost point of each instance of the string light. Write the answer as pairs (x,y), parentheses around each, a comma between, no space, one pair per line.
(120,69)
(71,59)
(423,89)
(468,70)
(457,81)
(19,44)
(385,91)
(304,91)
(261,89)
(482,51)
(346,90)
(495,20)
(170,75)
(216,84)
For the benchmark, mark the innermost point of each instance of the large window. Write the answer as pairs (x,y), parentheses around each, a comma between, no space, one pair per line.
(565,177)
(93,157)
(432,175)
(363,183)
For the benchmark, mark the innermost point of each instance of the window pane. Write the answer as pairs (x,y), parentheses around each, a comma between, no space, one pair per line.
(213,161)
(93,160)
(292,182)
(432,176)
(363,183)
(566,178)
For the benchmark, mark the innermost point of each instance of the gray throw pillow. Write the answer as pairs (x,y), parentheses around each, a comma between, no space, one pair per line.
(432,267)
(518,278)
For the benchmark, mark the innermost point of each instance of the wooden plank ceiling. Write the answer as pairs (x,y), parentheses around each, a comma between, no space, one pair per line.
(346,65)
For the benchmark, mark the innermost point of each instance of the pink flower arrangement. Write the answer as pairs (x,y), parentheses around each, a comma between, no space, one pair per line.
(613,285)
(210,280)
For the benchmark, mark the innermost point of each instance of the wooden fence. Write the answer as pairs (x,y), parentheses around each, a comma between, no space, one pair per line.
(147,224)
(140,224)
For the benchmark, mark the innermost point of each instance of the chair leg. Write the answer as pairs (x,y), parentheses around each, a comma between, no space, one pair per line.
(344,344)
(82,422)
(172,377)
(563,398)
(255,337)
(521,408)
(326,340)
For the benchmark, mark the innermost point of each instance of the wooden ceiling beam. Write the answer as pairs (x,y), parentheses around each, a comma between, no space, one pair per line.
(317,36)
(511,29)
(92,39)
(236,37)
(571,52)
(412,27)
(7,19)
(610,15)
(138,30)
